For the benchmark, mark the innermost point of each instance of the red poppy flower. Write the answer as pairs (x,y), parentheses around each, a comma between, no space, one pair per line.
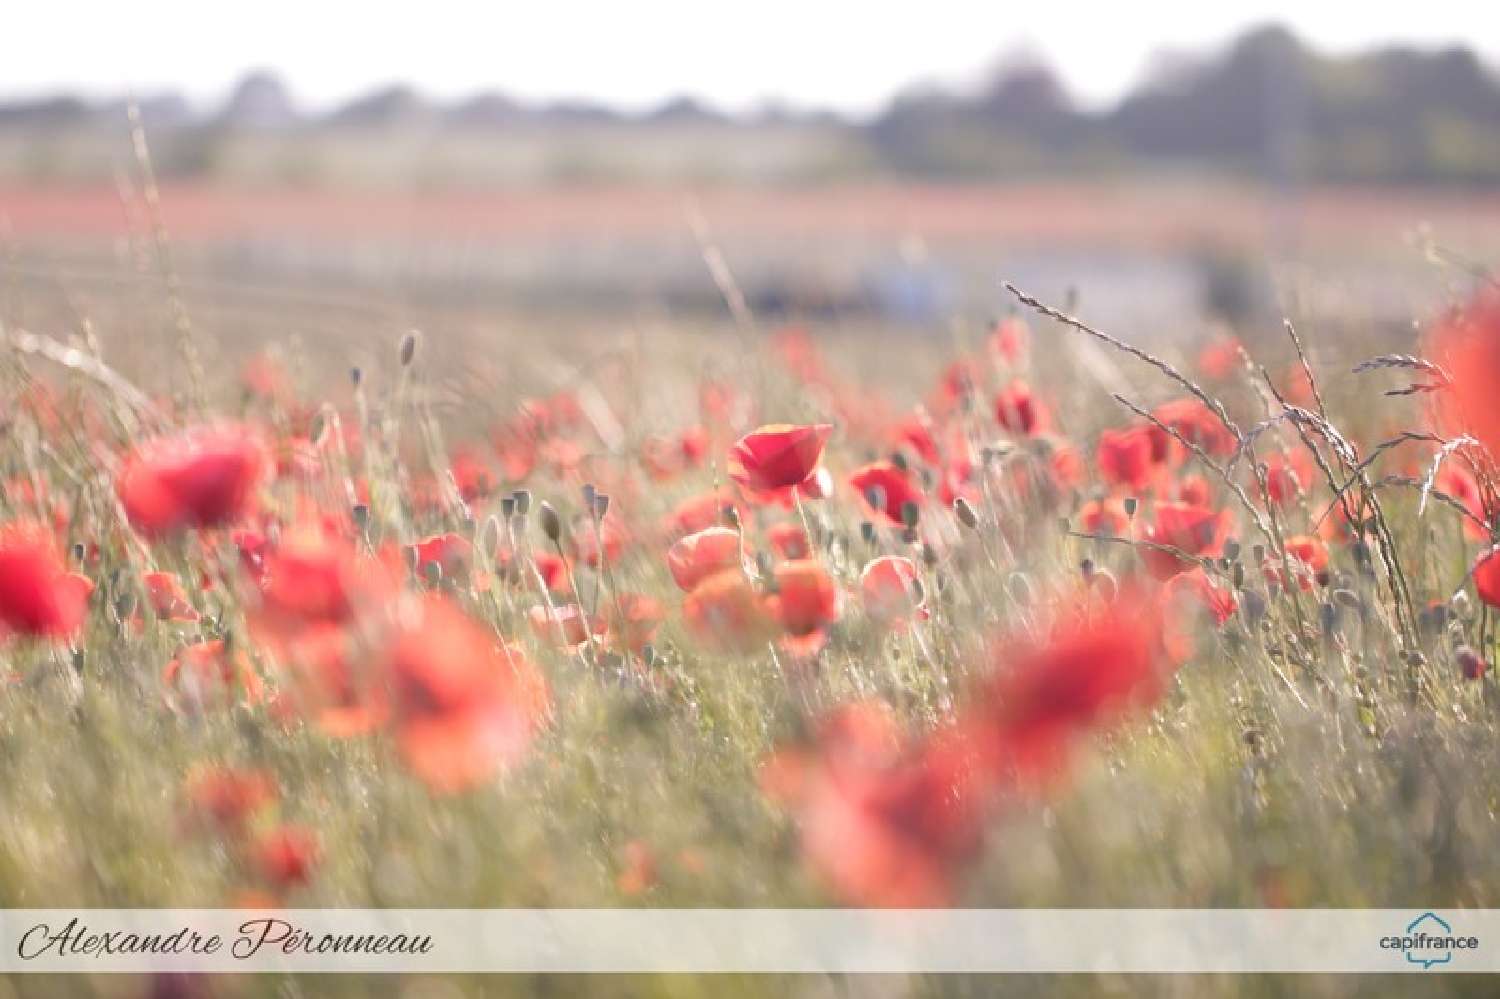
(553,569)
(472,476)
(1194,422)
(805,602)
(634,621)
(202,477)
(889,590)
(1487,577)
(1466,342)
(1099,663)
(1126,458)
(1018,410)
(451,552)
(38,596)
(1312,552)
(698,556)
(788,540)
(1221,358)
(466,704)
(1458,482)
(1104,518)
(1193,530)
(287,856)
(228,796)
(725,613)
(778,456)
(593,541)
(1009,340)
(1187,598)
(1288,475)
(698,513)
(885,489)
(883,822)
(915,432)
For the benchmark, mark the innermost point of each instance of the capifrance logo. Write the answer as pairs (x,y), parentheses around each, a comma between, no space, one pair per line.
(1429,940)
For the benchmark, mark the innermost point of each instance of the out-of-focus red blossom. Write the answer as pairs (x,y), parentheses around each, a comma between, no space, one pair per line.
(698,556)
(1009,340)
(1192,490)
(697,513)
(1288,475)
(1458,482)
(1221,358)
(287,856)
(1101,662)
(1125,457)
(1018,410)
(39,598)
(635,620)
(467,705)
(598,543)
(959,381)
(806,601)
(1104,518)
(1193,530)
(313,576)
(777,456)
(564,625)
(1194,422)
(473,476)
(1466,342)
(1487,577)
(208,674)
(451,552)
(638,869)
(168,599)
(201,477)
(228,797)
(1187,598)
(884,822)
(788,540)
(1298,387)
(885,488)
(890,592)
(801,356)
(916,432)
(725,612)
(553,569)
(264,377)
(1065,467)
(1312,552)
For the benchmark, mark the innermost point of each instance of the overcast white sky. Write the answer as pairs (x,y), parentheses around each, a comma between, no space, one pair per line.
(634,53)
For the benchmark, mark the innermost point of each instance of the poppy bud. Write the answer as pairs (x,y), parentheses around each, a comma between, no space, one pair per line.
(909,514)
(589,492)
(356,375)
(1130,505)
(523,501)
(508,507)
(965,513)
(867,531)
(1232,550)
(361,515)
(551,524)
(408,348)
(601,505)
(899,460)
(1469,662)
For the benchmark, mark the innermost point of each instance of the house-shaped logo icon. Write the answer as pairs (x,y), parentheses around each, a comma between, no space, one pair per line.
(1423,936)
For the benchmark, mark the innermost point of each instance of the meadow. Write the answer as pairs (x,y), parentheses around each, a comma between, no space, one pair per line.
(683,612)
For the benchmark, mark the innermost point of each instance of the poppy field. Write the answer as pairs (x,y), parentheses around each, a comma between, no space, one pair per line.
(746,627)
